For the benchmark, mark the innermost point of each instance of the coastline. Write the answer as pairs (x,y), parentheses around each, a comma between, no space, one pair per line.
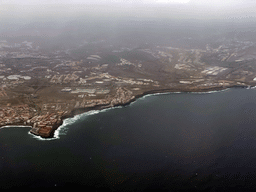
(79,111)
(99,108)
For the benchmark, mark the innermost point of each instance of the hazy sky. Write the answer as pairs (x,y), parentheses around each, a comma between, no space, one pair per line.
(87,1)
(202,2)
(177,9)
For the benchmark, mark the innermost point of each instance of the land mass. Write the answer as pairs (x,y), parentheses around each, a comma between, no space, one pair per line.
(40,89)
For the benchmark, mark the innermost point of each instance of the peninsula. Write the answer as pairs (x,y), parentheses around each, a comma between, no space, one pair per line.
(40,89)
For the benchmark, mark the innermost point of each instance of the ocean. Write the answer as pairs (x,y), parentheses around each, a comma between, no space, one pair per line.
(166,142)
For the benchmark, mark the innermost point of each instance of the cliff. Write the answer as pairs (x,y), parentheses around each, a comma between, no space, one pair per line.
(45,130)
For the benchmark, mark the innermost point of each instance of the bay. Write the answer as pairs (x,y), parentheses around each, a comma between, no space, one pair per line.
(176,141)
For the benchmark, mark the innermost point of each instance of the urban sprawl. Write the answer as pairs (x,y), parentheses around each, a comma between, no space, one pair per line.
(39,88)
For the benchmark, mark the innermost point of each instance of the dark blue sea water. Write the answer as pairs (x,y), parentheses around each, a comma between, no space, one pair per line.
(172,142)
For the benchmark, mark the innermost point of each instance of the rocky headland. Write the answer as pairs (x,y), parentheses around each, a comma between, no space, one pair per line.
(44,125)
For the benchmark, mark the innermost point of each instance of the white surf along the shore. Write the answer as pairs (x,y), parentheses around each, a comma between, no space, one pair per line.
(63,129)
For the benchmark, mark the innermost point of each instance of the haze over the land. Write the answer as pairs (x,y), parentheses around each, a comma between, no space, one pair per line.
(18,15)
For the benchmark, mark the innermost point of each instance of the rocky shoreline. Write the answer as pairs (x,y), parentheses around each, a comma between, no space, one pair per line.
(49,133)
(101,107)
